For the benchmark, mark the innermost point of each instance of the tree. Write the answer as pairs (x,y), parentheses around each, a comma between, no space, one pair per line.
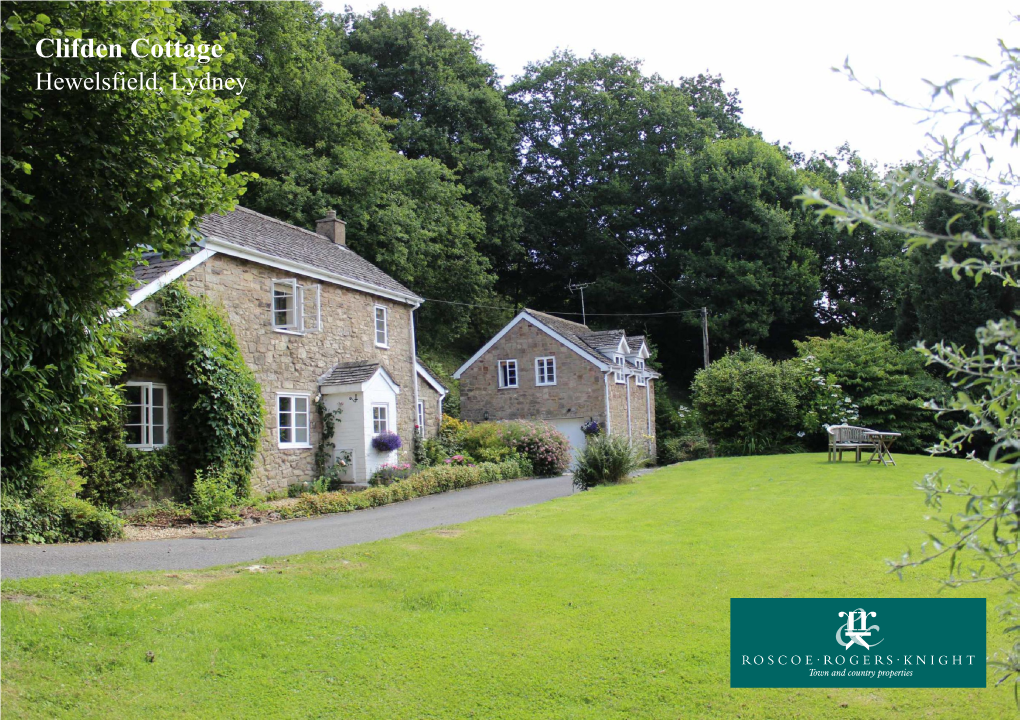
(446,104)
(316,146)
(709,101)
(90,178)
(982,541)
(734,245)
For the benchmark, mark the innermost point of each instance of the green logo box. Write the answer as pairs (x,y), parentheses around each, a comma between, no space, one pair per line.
(857,642)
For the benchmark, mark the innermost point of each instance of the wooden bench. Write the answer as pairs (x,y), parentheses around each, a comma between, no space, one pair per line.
(850,437)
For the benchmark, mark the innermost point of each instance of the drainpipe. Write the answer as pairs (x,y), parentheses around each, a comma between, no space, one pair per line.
(629,431)
(609,427)
(414,374)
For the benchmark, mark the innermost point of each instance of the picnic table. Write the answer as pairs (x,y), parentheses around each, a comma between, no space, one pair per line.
(883,440)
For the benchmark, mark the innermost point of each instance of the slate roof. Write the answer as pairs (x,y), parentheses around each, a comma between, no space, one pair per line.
(350,373)
(157,266)
(601,343)
(432,374)
(249,229)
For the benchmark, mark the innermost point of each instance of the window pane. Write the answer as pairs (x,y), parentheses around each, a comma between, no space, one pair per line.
(133,394)
(285,434)
(301,404)
(301,434)
(157,416)
(301,421)
(134,415)
(133,434)
(158,397)
(158,436)
(285,404)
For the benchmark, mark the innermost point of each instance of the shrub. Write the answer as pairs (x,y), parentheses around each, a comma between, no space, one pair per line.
(457,460)
(387,442)
(212,497)
(605,459)
(387,474)
(745,401)
(684,448)
(484,443)
(546,448)
(451,434)
(420,456)
(52,512)
(162,513)
(890,386)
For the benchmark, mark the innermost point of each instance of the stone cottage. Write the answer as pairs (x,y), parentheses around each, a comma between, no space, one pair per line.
(312,319)
(541,367)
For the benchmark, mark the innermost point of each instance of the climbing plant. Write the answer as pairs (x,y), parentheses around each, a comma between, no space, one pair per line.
(327,471)
(218,414)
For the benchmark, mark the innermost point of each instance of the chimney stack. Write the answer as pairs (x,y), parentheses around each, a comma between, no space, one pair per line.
(332,228)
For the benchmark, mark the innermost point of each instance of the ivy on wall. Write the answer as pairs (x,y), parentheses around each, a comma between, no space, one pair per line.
(216,403)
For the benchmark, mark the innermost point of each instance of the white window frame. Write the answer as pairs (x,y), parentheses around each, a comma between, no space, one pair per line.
(641,380)
(385,328)
(640,363)
(385,419)
(544,368)
(421,416)
(294,427)
(619,372)
(504,374)
(300,321)
(146,412)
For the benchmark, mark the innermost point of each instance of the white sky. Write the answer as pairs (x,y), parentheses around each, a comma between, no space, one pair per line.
(778,54)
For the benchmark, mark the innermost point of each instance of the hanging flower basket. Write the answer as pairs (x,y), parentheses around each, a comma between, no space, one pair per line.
(386,442)
(591,428)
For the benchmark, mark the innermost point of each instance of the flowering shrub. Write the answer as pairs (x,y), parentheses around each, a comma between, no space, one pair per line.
(591,427)
(389,473)
(457,460)
(544,446)
(386,442)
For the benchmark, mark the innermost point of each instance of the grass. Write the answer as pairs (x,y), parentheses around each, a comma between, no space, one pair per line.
(608,604)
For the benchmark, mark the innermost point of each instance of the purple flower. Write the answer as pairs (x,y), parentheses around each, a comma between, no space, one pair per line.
(386,442)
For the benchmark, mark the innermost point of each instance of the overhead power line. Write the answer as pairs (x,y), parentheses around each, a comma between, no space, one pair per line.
(557,312)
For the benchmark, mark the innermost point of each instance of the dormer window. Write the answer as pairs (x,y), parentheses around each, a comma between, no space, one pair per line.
(640,364)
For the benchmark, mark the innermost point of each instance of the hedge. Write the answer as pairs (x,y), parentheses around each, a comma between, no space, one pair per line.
(429,481)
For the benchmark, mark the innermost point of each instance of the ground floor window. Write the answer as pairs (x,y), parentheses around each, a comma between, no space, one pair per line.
(292,412)
(421,416)
(146,424)
(380,419)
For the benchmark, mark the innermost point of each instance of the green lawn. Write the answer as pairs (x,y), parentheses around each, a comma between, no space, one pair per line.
(609,604)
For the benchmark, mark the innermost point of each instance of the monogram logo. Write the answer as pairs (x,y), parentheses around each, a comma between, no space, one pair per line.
(856,629)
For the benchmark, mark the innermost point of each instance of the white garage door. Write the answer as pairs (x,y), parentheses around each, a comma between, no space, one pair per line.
(572,429)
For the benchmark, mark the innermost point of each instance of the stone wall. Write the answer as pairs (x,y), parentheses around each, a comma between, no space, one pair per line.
(286,362)
(579,391)
(618,407)
(428,395)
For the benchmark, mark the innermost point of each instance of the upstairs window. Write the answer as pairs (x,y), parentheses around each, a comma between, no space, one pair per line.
(508,373)
(292,412)
(296,307)
(545,371)
(640,363)
(146,424)
(618,372)
(382,334)
(641,380)
(380,419)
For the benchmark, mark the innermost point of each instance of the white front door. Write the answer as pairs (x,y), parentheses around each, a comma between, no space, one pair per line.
(571,427)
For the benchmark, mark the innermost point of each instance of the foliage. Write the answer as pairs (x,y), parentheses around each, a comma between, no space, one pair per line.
(54,513)
(446,103)
(458,461)
(316,145)
(605,460)
(387,442)
(421,456)
(889,386)
(545,447)
(452,432)
(212,497)
(217,401)
(162,513)
(484,442)
(388,473)
(427,481)
(324,451)
(116,474)
(981,539)
(747,402)
(682,448)
(88,179)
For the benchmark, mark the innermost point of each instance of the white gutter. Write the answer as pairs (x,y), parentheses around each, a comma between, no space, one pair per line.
(414,371)
(629,426)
